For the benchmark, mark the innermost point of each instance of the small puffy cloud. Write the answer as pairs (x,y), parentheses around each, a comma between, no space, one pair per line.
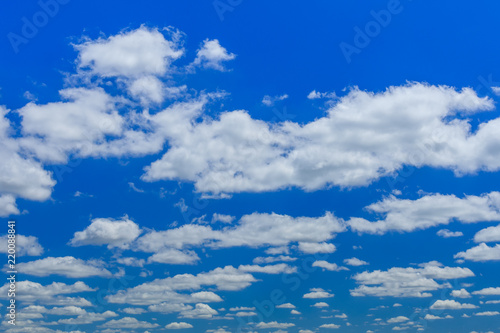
(51,294)
(123,54)
(355,262)
(445,233)
(268,260)
(25,246)
(271,100)
(66,266)
(274,324)
(228,219)
(175,257)
(311,248)
(317,95)
(318,293)
(488,291)
(104,231)
(487,313)
(451,305)
(490,234)
(398,319)
(462,293)
(201,311)
(286,306)
(320,305)
(329,266)
(330,326)
(134,311)
(433,317)
(407,282)
(177,326)
(212,55)
(405,215)
(482,252)
(270,269)
(128,322)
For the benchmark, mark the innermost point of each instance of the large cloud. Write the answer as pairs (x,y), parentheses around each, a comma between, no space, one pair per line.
(407,282)
(431,210)
(363,137)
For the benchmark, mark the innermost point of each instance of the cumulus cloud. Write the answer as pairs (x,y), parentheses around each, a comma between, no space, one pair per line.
(482,252)
(311,248)
(451,305)
(488,291)
(66,266)
(329,266)
(274,324)
(445,233)
(318,293)
(415,124)
(270,269)
(490,234)
(279,230)
(104,231)
(406,282)
(174,256)
(177,326)
(30,292)
(271,100)
(462,293)
(404,215)
(212,55)
(123,54)
(355,262)
(170,289)
(25,245)
(128,322)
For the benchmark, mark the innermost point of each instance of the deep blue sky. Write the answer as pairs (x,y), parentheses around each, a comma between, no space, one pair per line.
(281,48)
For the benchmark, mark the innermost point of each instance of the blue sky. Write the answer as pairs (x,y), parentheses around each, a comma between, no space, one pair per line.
(249,166)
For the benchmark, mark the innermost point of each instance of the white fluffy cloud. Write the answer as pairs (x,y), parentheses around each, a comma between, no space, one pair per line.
(490,234)
(448,304)
(274,324)
(462,293)
(431,210)
(103,231)
(66,266)
(415,124)
(25,245)
(445,233)
(355,262)
(168,289)
(212,55)
(249,231)
(482,252)
(20,176)
(124,54)
(488,291)
(51,294)
(177,326)
(329,266)
(128,322)
(318,293)
(407,282)
(270,269)
(174,256)
(201,311)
